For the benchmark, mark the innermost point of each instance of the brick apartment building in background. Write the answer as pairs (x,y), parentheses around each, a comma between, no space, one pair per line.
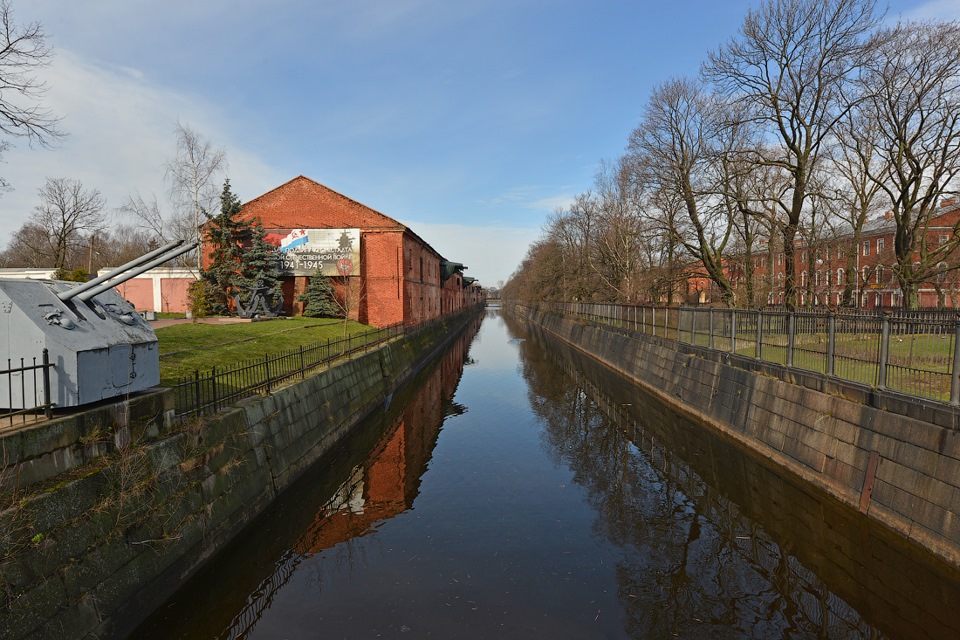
(875,287)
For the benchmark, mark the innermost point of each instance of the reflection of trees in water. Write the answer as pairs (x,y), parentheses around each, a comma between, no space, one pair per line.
(693,565)
(336,541)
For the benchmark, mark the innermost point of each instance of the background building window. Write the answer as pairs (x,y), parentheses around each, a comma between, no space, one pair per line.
(866,247)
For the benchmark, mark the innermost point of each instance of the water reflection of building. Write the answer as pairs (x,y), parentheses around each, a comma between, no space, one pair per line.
(387,483)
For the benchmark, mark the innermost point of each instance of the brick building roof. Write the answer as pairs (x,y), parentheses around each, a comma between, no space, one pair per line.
(305,203)
(302,203)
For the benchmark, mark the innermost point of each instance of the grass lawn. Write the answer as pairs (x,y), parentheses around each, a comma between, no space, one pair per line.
(189,347)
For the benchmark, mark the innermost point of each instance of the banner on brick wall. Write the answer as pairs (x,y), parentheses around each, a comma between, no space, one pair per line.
(335,251)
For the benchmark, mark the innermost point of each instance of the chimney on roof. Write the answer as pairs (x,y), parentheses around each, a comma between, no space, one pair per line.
(948,202)
(888,215)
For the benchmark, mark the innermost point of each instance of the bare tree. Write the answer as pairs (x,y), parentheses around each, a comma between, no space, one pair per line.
(790,64)
(674,149)
(23,50)
(193,177)
(853,163)
(913,82)
(619,242)
(66,211)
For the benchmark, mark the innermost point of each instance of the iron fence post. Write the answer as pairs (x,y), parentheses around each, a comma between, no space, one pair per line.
(955,372)
(791,330)
(831,343)
(884,351)
(733,330)
(758,348)
(266,366)
(711,328)
(213,386)
(303,366)
(196,389)
(47,408)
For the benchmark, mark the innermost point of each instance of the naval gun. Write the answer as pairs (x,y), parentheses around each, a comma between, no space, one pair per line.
(98,344)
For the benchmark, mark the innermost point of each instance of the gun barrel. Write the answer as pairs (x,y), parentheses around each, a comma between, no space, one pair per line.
(86,286)
(128,273)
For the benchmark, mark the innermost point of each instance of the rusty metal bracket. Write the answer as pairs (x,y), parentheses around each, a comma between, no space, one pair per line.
(869,480)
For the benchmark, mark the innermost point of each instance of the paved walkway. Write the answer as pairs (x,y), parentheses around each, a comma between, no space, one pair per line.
(166,322)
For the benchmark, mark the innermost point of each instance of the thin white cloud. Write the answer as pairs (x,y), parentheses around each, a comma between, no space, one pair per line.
(530,197)
(935,10)
(120,133)
(472,246)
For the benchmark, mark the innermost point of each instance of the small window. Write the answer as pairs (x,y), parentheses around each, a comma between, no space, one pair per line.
(879,246)
(944,240)
(803,256)
(840,275)
(779,259)
(866,247)
(839,253)
(879,275)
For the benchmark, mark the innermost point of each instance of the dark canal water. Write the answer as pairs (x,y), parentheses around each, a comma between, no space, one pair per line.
(518,490)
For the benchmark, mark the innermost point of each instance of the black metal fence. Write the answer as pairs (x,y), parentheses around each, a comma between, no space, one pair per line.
(208,392)
(914,353)
(26,391)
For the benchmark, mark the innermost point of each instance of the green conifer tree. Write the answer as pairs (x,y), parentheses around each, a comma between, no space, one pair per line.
(226,234)
(320,298)
(260,267)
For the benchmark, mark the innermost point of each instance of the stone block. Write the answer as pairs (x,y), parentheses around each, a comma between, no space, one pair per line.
(27,613)
(917,458)
(78,620)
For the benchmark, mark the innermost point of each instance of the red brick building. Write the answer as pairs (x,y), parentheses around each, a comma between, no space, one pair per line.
(823,284)
(875,284)
(400,278)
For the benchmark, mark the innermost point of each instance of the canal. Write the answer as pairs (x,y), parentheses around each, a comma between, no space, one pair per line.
(519,490)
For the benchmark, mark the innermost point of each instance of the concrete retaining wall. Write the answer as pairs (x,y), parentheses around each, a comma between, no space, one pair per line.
(826,439)
(106,513)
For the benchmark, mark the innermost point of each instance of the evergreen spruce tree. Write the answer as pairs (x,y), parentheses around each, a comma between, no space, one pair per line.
(319,297)
(260,267)
(225,235)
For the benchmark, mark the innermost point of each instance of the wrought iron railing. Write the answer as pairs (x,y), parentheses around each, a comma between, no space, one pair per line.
(208,392)
(25,391)
(911,353)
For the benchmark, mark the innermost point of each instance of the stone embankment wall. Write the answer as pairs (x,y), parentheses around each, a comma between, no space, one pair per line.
(892,464)
(105,513)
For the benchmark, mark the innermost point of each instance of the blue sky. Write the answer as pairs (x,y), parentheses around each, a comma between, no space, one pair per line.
(469,121)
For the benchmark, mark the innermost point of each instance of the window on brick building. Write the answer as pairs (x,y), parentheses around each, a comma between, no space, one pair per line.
(866,247)
(839,253)
(879,246)
(944,240)
(879,275)
(779,259)
(803,256)
(840,274)
(421,268)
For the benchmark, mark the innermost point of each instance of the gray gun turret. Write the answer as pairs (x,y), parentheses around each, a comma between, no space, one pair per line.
(99,345)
